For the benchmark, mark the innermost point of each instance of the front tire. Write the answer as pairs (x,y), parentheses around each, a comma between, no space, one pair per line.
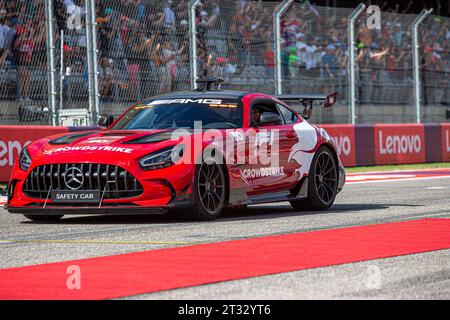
(322,183)
(209,192)
(43,218)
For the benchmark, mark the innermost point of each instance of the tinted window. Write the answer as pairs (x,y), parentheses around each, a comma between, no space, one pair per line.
(288,115)
(263,107)
(182,113)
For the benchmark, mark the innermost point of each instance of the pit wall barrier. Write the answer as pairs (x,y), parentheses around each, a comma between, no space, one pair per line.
(360,145)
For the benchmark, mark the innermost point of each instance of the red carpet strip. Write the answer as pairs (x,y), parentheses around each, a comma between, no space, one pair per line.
(150,271)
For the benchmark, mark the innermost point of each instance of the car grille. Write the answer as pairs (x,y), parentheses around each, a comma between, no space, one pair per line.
(116,182)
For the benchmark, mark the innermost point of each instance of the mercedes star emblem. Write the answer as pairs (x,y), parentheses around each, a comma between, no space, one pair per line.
(73,178)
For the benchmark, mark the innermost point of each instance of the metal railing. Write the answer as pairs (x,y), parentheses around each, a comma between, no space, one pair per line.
(105,55)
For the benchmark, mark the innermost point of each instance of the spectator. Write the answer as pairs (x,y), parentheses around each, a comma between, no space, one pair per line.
(269,58)
(60,13)
(329,62)
(11,12)
(310,54)
(106,78)
(24,54)
(6,35)
(218,68)
(166,57)
(134,49)
(169,18)
(204,62)
(4,30)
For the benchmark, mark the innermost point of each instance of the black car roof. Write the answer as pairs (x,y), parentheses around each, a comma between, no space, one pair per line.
(210,94)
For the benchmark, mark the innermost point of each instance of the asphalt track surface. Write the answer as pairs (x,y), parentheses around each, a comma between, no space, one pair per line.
(415,275)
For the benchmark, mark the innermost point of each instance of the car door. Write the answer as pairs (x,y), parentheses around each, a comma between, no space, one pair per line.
(239,165)
(272,142)
(291,138)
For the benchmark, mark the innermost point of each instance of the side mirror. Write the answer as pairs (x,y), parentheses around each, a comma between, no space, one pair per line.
(105,121)
(270,119)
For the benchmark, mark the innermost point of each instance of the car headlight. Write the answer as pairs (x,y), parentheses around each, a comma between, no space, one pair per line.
(162,158)
(24,160)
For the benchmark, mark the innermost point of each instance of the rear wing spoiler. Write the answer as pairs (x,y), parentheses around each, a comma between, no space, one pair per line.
(308,100)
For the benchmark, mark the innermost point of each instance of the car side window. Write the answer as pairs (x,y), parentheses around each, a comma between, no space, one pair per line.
(288,115)
(262,107)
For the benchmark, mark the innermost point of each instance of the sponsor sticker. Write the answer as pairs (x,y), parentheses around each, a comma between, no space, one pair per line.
(76,196)
(256,173)
(89,148)
(183,101)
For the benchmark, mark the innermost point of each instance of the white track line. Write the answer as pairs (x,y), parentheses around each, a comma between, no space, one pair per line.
(400,171)
(397,180)
(366,177)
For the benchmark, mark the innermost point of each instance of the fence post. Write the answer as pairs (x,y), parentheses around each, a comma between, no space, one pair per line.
(89,61)
(94,58)
(351,61)
(50,43)
(61,69)
(92,62)
(193,43)
(281,9)
(416,60)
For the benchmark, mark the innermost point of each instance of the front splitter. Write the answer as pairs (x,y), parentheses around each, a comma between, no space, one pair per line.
(66,210)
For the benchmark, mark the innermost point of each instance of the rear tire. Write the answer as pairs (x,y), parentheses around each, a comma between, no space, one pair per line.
(42,218)
(322,183)
(210,190)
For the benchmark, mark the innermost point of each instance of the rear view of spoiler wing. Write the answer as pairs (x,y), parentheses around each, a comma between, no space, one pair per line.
(308,100)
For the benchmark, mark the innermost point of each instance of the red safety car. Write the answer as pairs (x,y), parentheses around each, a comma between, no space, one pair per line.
(197,152)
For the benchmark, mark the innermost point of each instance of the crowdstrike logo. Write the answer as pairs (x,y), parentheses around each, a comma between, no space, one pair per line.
(250,174)
(89,148)
(399,144)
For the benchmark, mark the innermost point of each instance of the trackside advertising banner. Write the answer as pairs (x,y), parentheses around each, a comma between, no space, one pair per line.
(357,145)
(14,138)
(343,137)
(445,141)
(399,143)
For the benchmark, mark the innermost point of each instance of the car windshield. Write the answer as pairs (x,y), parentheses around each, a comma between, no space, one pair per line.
(183,113)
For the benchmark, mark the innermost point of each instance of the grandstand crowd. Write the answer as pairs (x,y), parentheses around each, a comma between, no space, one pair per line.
(144,47)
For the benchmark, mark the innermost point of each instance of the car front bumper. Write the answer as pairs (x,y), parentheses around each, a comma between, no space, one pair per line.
(107,210)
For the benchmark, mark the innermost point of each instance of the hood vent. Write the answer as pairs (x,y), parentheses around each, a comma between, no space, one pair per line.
(69,138)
